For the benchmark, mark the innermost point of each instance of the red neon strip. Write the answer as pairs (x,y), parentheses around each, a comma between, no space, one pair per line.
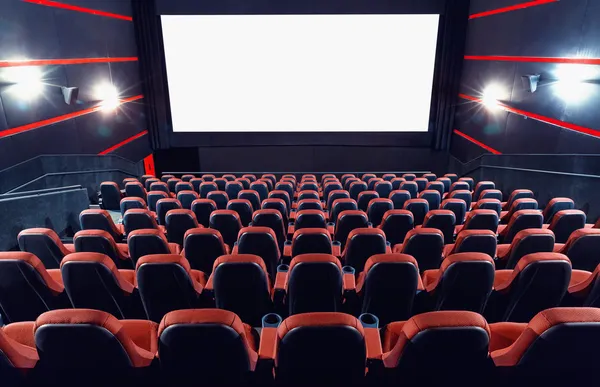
(489,149)
(56,4)
(516,7)
(55,120)
(538,117)
(130,139)
(72,61)
(538,59)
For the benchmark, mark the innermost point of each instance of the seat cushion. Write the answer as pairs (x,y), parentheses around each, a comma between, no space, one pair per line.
(579,276)
(128,275)
(502,276)
(56,275)
(143,333)
(174,248)
(502,250)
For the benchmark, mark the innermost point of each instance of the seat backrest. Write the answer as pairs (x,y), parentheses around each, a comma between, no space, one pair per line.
(187,197)
(272,219)
(166,283)
(252,196)
(490,194)
(44,244)
(458,206)
(480,187)
(309,341)
(538,282)
(421,183)
(311,241)
(310,219)
(203,208)
(453,340)
(521,204)
(314,284)
(99,241)
(349,181)
(172,184)
(93,219)
(159,186)
(262,242)
(388,285)
(283,195)
(561,339)
(565,222)
(309,204)
(26,288)
(335,195)
(77,339)
(469,181)
(347,221)
(287,187)
(340,205)
(228,223)
(183,186)
(409,176)
(371,183)
(367,176)
(383,188)
(364,198)
(201,247)
(411,187)
(443,220)
(129,203)
(329,187)
(527,242)
(377,208)
(519,194)
(452,290)
(165,205)
(347,176)
(396,182)
(241,284)
(137,219)
(489,204)
(213,343)
(220,198)
(92,281)
(521,220)
(178,222)
(165,178)
(187,177)
(396,224)
(459,185)
(419,209)
(446,182)
(433,197)
(232,177)
(476,241)
(111,195)
(463,195)
(243,208)
(436,186)
(482,220)
(196,184)
(355,188)
(155,196)
(261,188)
(429,176)
(399,197)
(145,242)
(582,247)
(221,183)
(426,246)
(148,183)
(555,205)
(206,187)
(363,243)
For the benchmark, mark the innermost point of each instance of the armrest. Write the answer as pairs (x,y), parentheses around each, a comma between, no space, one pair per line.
(330,228)
(349,280)
(268,344)
(502,279)
(279,288)
(373,342)
(235,249)
(336,249)
(504,334)
(287,249)
(388,247)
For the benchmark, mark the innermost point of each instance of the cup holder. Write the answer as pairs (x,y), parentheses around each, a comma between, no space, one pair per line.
(271,320)
(348,270)
(388,244)
(288,243)
(330,224)
(369,320)
(336,243)
(283,268)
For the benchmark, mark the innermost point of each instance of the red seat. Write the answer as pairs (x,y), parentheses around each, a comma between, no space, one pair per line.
(98,241)
(262,242)
(565,222)
(202,247)
(480,187)
(516,195)
(243,208)
(347,221)
(425,245)
(44,244)
(582,249)
(178,222)
(419,209)
(138,219)
(100,220)
(555,205)
(525,242)
(519,204)
(163,206)
(311,241)
(479,220)
(219,197)
(130,203)
(584,288)
(149,241)
(203,208)
(154,197)
(363,243)
(111,195)
(521,220)
(396,224)
(228,223)
(187,197)
(473,241)
(443,220)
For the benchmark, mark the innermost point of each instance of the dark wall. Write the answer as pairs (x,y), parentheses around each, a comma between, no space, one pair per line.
(62,32)
(551,30)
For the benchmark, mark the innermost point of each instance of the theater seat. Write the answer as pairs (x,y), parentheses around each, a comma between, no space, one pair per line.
(411,187)
(555,205)
(388,285)
(241,284)
(101,220)
(582,248)
(16,359)
(518,205)
(396,224)
(202,246)
(463,195)
(364,198)
(377,208)
(463,282)
(521,220)
(243,209)
(367,176)
(480,187)
(98,241)
(228,223)
(219,197)
(335,195)
(203,208)
(433,197)
(525,242)
(396,182)
(479,220)
(261,188)
(459,185)
(363,243)
(172,184)
(272,219)
(212,344)
(436,186)
(162,187)
(425,245)
(458,206)
(347,176)
(383,188)
(309,204)
(516,195)
(490,194)
(262,242)
(347,221)
(399,197)
(111,195)
(148,183)
(178,223)
(355,188)
(252,196)
(93,281)
(421,183)
(283,195)
(129,203)
(27,289)
(183,186)
(165,178)
(206,187)
(331,187)
(45,245)
(167,283)
(469,181)
(489,204)
(457,342)
(443,220)
(308,219)
(565,222)
(187,177)
(473,241)
(149,241)
(307,195)
(138,219)
(409,176)
(154,197)
(340,205)
(538,282)
(419,209)
(196,184)
(187,197)
(82,345)
(584,289)
(221,183)
(163,206)
(371,183)
(287,187)
(249,176)
(429,176)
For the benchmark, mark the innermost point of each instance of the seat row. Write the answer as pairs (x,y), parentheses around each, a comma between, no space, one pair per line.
(214,347)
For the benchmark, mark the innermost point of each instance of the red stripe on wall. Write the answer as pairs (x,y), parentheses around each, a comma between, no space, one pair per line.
(56,4)
(149,165)
(537,59)
(54,120)
(538,117)
(488,148)
(130,139)
(516,7)
(71,61)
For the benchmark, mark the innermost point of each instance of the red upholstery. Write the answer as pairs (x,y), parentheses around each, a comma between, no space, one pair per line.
(20,355)
(175,259)
(504,251)
(523,263)
(431,278)
(104,260)
(238,258)
(55,286)
(385,258)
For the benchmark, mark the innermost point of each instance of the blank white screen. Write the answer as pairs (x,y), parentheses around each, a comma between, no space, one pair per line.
(313,73)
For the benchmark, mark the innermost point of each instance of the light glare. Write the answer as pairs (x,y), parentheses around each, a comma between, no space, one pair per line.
(491,95)
(27,82)
(108,95)
(571,84)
